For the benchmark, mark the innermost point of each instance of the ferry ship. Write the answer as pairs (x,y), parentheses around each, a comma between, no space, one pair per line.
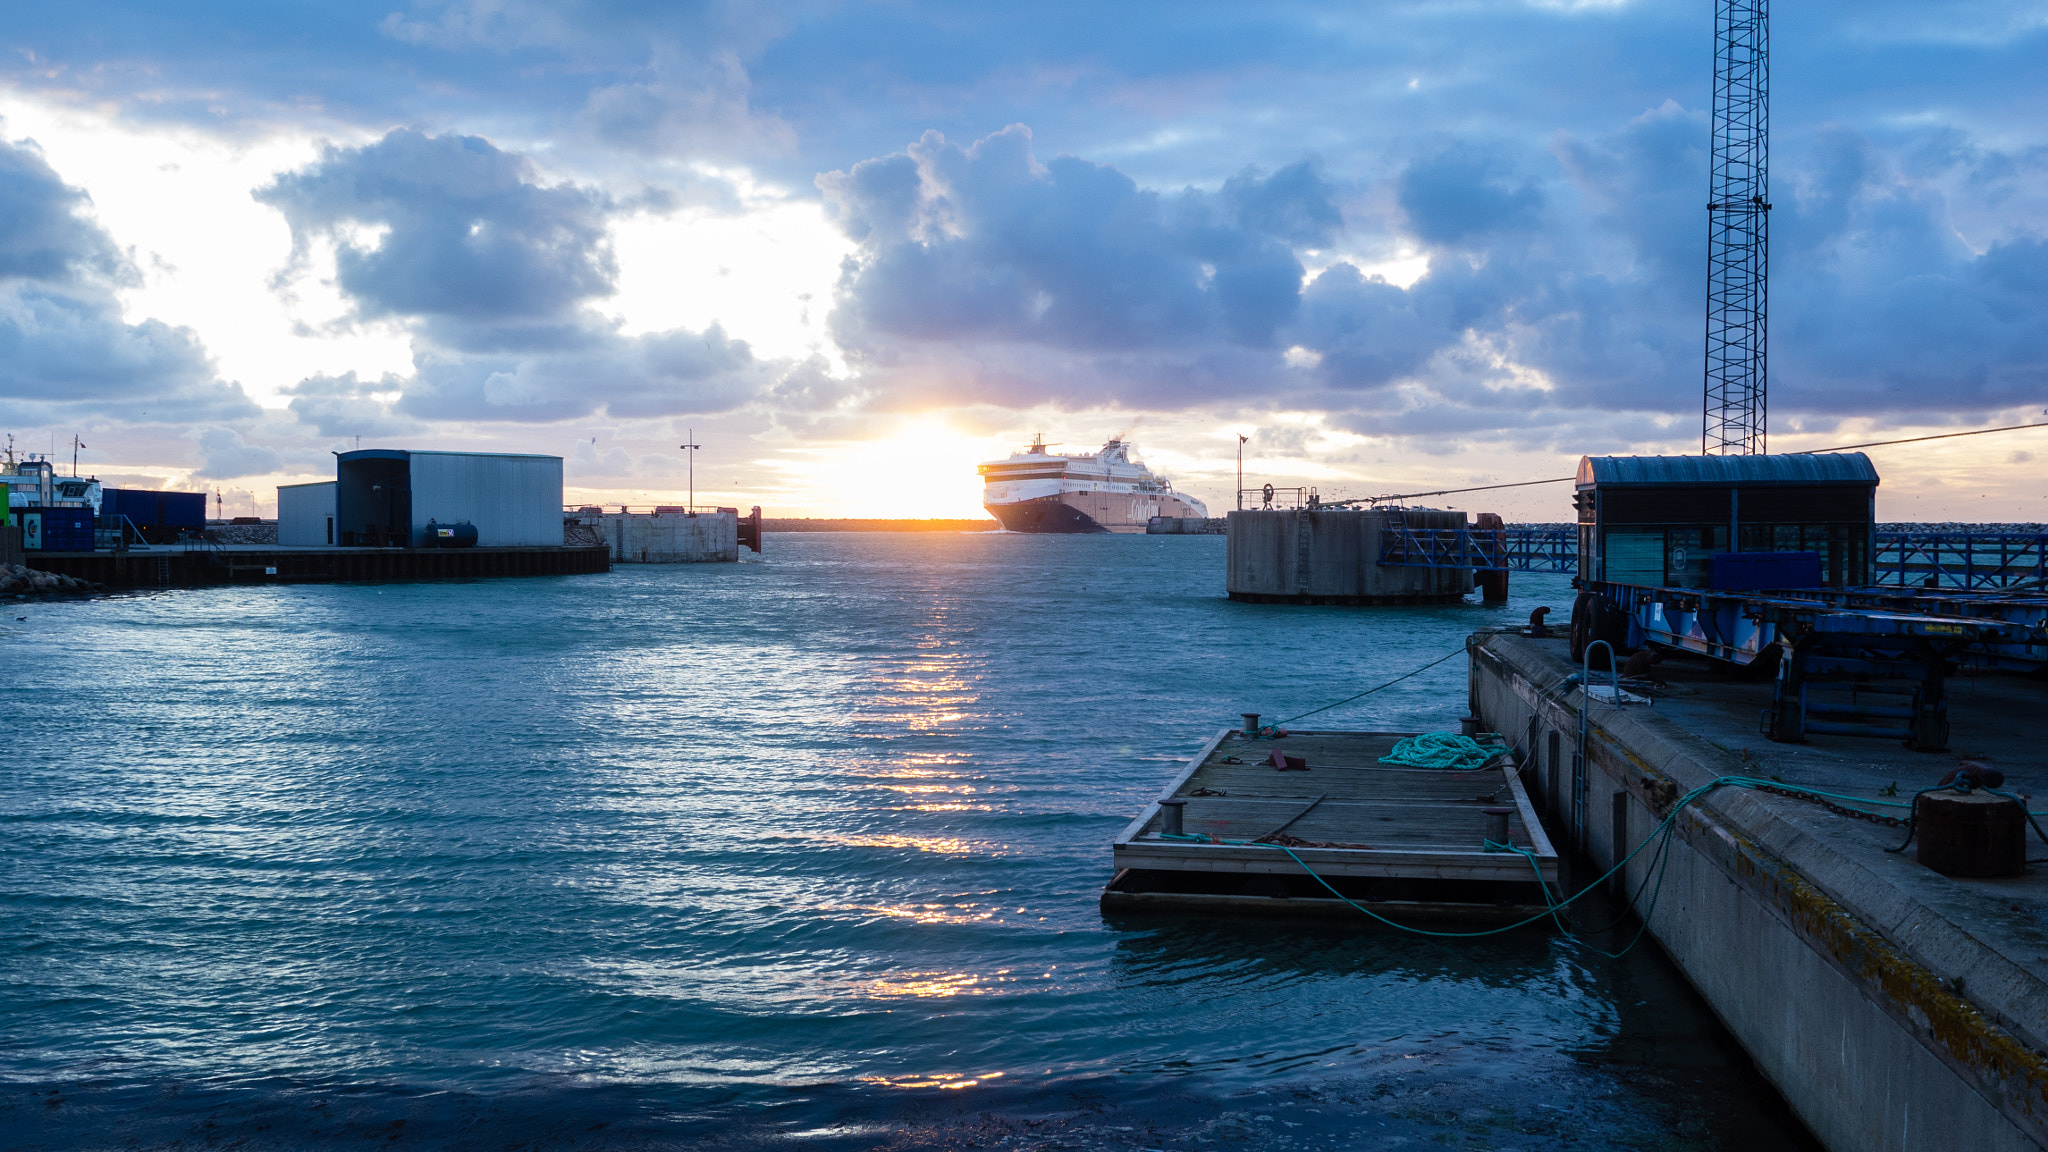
(1106,491)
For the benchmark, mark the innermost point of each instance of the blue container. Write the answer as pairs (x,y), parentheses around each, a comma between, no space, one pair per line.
(159,516)
(436,535)
(1747,571)
(56,529)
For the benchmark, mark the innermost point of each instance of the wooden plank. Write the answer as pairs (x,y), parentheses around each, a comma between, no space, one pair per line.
(1399,911)
(1539,843)
(1194,763)
(1381,824)
(1408,864)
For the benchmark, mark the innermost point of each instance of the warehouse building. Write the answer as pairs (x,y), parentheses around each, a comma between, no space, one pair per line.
(389,498)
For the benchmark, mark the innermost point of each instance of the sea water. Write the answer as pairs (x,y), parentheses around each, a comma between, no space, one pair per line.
(803,852)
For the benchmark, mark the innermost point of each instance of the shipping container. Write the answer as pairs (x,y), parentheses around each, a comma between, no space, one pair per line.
(58,529)
(161,517)
(1749,571)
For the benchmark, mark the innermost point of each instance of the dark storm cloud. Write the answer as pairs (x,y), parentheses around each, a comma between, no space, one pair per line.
(987,243)
(1547,161)
(65,351)
(1462,196)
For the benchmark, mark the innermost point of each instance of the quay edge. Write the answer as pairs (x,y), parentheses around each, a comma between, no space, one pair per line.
(1895,1009)
(177,566)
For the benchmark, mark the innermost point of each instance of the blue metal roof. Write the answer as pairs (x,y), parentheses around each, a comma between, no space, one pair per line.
(1786,470)
(374,454)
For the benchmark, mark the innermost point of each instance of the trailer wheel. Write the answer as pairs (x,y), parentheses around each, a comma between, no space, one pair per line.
(1581,625)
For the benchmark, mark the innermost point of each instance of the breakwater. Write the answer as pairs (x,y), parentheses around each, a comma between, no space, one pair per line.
(1897,1009)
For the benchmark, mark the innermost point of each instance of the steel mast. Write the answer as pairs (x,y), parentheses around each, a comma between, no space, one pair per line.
(1738,212)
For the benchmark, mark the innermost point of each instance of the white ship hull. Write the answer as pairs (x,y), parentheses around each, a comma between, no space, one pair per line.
(1106,491)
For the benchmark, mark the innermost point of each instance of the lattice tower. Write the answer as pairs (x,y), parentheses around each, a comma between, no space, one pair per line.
(1738,214)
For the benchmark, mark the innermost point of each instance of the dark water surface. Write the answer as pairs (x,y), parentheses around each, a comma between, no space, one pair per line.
(798,853)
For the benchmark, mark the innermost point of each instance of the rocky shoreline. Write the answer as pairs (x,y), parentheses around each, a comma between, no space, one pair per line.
(19,580)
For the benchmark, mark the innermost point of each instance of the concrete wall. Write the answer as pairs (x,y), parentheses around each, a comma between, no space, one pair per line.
(1792,943)
(514,501)
(1342,547)
(671,538)
(305,515)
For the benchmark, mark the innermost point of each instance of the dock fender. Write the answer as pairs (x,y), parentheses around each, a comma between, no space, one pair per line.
(1581,627)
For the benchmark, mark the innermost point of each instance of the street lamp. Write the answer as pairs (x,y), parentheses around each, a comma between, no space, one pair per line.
(692,447)
(1241,438)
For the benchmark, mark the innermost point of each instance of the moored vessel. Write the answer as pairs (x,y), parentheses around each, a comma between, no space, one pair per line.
(1105,491)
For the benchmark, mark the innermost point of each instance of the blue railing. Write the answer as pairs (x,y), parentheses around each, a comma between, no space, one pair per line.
(1972,561)
(1482,549)
(1975,561)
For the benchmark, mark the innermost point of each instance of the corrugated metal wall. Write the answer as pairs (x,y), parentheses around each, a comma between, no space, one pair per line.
(305,514)
(514,501)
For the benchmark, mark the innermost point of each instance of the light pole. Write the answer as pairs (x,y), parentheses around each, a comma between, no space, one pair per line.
(1241,438)
(692,446)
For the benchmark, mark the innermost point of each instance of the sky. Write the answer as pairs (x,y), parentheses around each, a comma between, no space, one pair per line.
(854,249)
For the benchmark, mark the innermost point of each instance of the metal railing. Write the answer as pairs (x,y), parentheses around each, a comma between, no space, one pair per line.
(1967,560)
(643,509)
(1481,549)
(1269,498)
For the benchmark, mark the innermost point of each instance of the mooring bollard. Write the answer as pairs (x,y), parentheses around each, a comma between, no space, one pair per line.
(1469,726)
(1497,829)
(1251,723)
(1170,810)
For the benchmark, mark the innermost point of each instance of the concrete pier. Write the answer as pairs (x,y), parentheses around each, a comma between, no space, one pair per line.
(669,537)
(1895,1008)
(1331,556)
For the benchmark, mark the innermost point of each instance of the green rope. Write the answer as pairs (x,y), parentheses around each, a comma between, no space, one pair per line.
(1665,828)
(1442,752)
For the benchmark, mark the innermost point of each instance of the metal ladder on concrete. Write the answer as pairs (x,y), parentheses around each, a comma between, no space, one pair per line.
(1304,548)
(163,570)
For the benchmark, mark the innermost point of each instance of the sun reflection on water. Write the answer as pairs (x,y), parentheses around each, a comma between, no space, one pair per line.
(931,1080)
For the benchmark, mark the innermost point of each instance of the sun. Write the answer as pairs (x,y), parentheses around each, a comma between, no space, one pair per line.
(924,468)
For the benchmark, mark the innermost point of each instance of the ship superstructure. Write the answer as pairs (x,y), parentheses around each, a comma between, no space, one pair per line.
(1105,491)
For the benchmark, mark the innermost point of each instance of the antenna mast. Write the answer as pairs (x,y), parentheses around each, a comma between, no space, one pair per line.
(1738,212)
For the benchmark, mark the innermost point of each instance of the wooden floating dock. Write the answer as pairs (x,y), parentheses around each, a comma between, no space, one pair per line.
(1410,844)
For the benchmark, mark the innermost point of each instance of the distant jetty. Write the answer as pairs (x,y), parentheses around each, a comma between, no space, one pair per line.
(859,525)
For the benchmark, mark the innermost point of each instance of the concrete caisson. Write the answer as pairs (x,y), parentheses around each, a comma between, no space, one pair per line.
(1331,556)
(670,537)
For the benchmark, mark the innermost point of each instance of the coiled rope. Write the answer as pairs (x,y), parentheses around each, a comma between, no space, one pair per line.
(1442,752)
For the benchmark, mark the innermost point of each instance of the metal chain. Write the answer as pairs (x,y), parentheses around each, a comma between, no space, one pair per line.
(1830,805)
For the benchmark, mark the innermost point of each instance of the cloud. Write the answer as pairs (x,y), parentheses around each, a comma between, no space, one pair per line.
(985,244)
(66,353)
(494,273)
(344,406)
(227,456)
(449,228)
(1462,195)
